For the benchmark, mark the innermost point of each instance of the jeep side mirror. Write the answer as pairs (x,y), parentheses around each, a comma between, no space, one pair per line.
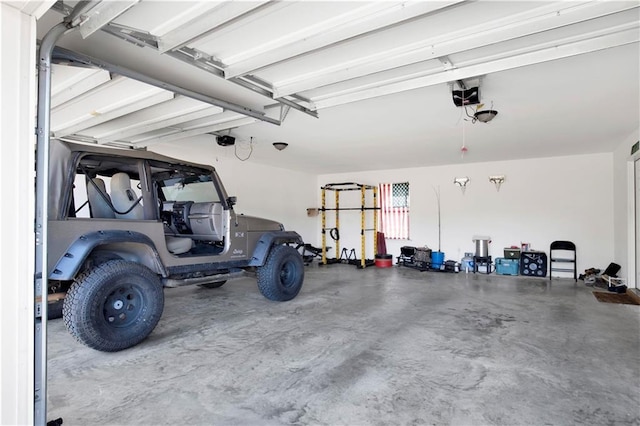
(232,201)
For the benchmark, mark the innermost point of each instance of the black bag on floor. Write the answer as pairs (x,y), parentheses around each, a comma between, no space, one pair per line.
(612,270)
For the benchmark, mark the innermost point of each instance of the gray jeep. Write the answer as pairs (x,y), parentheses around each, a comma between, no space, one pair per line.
(163,223)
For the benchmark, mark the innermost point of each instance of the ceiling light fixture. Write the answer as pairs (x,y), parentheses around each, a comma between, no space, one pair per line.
(280,145)
(486,115)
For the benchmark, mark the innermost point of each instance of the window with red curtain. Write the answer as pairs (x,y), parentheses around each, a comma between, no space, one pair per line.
(394,210)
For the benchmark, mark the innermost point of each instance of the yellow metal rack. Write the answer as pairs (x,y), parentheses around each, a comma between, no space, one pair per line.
(335,232)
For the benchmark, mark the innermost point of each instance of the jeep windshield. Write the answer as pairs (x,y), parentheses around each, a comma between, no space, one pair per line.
(196,188)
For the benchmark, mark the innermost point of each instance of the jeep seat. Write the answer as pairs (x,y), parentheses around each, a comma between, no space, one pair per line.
(99,200)
(122,197)
(178,245)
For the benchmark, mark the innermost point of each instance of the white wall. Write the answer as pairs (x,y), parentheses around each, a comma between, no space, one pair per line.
(542,200)
(17,106)
(263,191)
(623,233)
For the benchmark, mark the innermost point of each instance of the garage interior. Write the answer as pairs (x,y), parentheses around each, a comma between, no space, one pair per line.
(356,92)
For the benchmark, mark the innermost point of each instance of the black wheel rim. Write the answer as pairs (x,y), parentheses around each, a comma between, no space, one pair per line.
(288,274)
(123,306)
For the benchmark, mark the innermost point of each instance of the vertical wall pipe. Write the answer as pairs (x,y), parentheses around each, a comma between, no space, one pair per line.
(41,219)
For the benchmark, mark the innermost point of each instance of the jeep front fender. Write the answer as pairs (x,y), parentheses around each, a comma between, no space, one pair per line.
(270,239)
(69,264)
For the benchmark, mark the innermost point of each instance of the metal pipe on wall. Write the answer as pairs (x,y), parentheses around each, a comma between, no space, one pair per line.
(41,219)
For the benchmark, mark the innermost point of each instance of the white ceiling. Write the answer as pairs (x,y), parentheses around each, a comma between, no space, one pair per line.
(378,74)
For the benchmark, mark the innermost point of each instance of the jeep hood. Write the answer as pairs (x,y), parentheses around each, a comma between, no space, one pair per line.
(259,224)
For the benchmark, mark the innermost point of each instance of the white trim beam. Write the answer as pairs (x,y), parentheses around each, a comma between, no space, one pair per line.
(370,17)
(20,381)
(534,21)
(461,73)
(35,8)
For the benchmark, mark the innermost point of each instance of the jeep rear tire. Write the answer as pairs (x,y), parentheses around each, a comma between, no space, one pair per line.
(114,306)
(281,276)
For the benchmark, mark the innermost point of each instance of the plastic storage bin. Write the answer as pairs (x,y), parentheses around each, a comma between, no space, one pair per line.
(507,266)
(511,253)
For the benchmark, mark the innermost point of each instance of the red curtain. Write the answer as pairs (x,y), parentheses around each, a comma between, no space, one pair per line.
(394,220)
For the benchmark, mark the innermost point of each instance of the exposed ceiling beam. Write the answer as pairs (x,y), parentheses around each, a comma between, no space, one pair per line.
(98,110)
(186,54)
(91,16)
(260,86)
(370,17)
(534,21)
(629,28)
(201,60)
(61,55)
(200,131)
(111,95)
(211,120)
(198,21)
(70,82)
(544,55)
(166,114)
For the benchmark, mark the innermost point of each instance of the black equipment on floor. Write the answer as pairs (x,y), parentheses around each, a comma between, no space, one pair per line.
(484,261)
(533,264)
(415,257)
(309,252)
(612,270)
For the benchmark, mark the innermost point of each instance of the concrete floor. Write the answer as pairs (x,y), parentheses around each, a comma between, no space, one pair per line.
(360,347)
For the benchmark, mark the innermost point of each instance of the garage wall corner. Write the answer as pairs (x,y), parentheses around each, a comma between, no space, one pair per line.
(624,208)
(17,157)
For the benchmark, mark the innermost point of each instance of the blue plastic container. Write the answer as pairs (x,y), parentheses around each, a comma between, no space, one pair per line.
(437,259)
(507,266)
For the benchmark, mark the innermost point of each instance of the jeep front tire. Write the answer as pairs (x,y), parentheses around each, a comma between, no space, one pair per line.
(114,306)
(281,276)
